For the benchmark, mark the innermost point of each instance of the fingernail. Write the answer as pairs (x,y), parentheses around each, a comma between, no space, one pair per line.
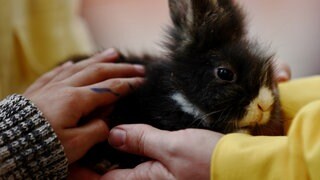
(109,52)
(67,64)
(117,137)
(139,68)
(282,76)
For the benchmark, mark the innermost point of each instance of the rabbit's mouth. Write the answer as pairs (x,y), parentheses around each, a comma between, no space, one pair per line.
(254,118)
(259,110)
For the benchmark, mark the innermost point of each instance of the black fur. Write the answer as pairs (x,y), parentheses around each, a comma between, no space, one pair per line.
(204,37)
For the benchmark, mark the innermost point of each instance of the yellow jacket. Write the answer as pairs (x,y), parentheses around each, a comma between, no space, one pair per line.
(295,156)
(35,35)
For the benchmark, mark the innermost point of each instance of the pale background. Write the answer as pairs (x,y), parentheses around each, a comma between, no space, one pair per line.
(290,28)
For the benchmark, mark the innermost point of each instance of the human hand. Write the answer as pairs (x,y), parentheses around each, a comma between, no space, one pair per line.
(283,71)
(183,154)
(72,91)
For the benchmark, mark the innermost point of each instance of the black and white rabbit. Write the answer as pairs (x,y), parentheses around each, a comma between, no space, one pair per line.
(212,78)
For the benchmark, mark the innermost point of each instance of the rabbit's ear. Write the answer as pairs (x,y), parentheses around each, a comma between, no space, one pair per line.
(181,13)
(185,12)
(203,21)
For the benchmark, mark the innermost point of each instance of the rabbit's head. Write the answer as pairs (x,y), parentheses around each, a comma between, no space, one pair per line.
(220,77)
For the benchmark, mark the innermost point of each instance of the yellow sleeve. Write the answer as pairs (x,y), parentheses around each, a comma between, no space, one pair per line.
(295,156)
(296,94)
(37,35)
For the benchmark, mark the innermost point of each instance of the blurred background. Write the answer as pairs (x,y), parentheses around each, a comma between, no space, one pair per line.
(289,28)
(36,35)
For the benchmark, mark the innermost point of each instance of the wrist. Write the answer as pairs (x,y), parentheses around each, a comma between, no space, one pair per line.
(31,148)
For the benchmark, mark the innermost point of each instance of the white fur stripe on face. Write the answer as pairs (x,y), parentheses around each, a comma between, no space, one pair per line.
(188,107)
(259,110)
(265,99)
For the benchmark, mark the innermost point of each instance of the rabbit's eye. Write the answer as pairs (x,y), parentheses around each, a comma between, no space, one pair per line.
(225,74)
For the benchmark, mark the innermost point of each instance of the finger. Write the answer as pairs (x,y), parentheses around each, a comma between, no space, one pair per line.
(140,139)
(44,79)
(102,71)
(83,138)
(79,173)
(101,112)
(96,131)
(109,55)
(107,92)
(147,170)
(93,132)
(283,72)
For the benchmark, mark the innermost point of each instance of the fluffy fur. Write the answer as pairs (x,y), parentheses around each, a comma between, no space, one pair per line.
(208,80)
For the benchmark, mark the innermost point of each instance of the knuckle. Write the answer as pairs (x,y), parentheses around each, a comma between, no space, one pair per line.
(58,87)
(71,97)
(100,123)
(141,139)
(115,83)
(97,68)
(43,79)
(181,138)
(100,126)
(137,136)
(72,70)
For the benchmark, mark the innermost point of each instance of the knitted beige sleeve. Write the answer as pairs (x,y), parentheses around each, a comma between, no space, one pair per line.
(29,148)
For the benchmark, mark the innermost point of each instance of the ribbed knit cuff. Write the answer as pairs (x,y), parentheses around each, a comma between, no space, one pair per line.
(29,148)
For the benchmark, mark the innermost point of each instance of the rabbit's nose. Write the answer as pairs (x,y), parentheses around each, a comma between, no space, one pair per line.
(264,107)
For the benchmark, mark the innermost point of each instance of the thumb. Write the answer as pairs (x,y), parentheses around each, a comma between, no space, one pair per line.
(140,139)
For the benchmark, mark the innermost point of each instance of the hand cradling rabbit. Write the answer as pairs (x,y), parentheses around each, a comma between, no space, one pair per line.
(212,78)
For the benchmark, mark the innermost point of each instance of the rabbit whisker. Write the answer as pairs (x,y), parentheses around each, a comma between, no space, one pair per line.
(203,118)
(222,117)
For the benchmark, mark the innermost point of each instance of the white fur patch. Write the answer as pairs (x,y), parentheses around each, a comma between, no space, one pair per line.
(188,107)
(265,99)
